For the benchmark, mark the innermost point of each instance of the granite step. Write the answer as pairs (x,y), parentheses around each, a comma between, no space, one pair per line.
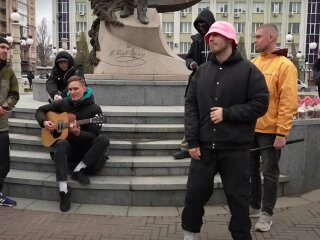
(127,147)
(112,190)
(114,131)
(115,166)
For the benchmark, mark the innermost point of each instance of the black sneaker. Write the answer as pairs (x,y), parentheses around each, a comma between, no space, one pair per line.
(80,177)
(181,154)
(65,200)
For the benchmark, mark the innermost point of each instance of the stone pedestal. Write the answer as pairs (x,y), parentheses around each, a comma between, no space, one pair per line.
(137,49)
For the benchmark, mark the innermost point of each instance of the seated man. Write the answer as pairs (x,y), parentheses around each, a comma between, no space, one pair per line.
(84,149)
(64,68)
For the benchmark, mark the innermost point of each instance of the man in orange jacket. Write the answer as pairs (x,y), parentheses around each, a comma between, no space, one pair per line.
(273,128)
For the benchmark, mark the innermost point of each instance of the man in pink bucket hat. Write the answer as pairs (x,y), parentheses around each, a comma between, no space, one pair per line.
(226,96)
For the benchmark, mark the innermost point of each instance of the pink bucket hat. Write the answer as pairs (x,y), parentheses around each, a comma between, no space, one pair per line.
(225,29)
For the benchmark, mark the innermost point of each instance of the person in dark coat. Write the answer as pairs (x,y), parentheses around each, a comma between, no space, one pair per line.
(30,77)
(84,149)
(64,68)
(316,74)
(198,54)
(226,96)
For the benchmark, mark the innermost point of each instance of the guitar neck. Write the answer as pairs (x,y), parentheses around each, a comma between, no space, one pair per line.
(79,122)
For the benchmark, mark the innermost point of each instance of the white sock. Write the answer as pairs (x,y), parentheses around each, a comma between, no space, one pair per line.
(80,166)
(63,186)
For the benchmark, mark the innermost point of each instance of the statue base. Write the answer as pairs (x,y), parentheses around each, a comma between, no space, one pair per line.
(137,49)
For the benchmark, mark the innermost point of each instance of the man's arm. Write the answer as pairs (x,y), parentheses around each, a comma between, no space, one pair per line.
(13,94)
(52,85)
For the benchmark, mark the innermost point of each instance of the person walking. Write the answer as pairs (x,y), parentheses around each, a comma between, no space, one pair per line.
(9,96)
(274,127)
(198,54)
(226,96)
(30,77)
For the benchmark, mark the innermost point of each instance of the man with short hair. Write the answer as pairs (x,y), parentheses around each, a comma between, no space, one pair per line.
(64,68)
(9,96)
(226,96)
(274,127)
(84,150)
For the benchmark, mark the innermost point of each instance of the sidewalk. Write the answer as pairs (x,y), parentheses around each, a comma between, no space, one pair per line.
(295,218)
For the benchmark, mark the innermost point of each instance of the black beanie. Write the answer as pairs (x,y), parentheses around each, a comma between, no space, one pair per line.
(3,40)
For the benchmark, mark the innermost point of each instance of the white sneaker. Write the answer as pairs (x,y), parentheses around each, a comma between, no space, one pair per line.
(190,235)
(264,223)
(254,213)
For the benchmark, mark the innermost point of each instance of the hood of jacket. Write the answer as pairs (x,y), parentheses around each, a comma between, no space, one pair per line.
(88,96)
(64,55)
(204,16)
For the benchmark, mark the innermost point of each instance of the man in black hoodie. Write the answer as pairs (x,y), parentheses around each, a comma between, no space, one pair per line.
(198,54)
(64,68)
(226,96)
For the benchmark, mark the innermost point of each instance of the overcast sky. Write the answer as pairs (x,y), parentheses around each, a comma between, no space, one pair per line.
(44,10)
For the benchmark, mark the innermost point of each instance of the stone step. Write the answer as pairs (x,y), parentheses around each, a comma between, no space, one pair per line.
(26,108)
(112,190)
(114,131)
(115,166)
(129,147)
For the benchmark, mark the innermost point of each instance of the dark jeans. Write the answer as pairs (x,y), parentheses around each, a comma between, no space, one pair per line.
(270,170)
(4,156)
(233,166)
(92,154)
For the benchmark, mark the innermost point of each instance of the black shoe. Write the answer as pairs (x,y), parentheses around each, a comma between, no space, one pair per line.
(80,177)
(181,154)
(65,200)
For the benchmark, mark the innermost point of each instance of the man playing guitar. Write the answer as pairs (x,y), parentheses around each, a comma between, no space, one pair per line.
(84,149)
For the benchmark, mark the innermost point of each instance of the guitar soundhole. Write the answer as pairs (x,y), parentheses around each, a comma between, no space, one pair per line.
(56,134)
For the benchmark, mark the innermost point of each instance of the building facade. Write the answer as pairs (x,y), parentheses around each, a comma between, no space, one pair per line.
(26,10)
(70,18)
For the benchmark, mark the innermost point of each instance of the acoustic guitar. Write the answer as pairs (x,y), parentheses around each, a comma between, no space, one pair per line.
(62,123)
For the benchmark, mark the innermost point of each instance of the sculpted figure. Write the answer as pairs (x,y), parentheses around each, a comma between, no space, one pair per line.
(128,9)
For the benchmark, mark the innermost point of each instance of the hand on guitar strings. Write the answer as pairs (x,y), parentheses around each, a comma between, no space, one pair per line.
(75,128)
(49,125)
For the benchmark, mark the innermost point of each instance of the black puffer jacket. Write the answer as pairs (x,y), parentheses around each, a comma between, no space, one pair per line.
(239,88)
(57,81)
(83,110)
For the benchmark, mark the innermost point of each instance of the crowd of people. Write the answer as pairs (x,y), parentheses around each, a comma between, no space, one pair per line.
(231,106)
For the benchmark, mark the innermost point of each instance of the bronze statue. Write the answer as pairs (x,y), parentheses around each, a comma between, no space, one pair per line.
(128,9)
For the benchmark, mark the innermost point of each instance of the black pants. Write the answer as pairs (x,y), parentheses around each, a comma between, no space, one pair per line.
(265,196)
(4,156)
(233,167)
(92,154)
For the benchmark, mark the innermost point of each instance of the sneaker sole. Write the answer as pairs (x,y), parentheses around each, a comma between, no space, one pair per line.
(7,205)
(255,215)
(263,229)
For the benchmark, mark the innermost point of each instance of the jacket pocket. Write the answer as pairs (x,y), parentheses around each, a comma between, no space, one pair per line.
(5,84)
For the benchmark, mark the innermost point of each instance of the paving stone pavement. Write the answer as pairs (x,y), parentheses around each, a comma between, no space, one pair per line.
(295,218)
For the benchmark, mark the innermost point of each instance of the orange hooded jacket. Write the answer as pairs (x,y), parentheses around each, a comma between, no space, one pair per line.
(281,77)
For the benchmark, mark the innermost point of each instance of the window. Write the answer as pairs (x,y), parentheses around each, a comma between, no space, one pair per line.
(294,28)
(81,27)
(203,5)
(64,7)
(185,27)
(222,7)
(170,44)
(276,7)
(81,7)
(240,27)
(253,49)
(240,7)
(258,7)
(255,27)
(295,7)
(187,10)
(313,7)
(184,47)
(167,27)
